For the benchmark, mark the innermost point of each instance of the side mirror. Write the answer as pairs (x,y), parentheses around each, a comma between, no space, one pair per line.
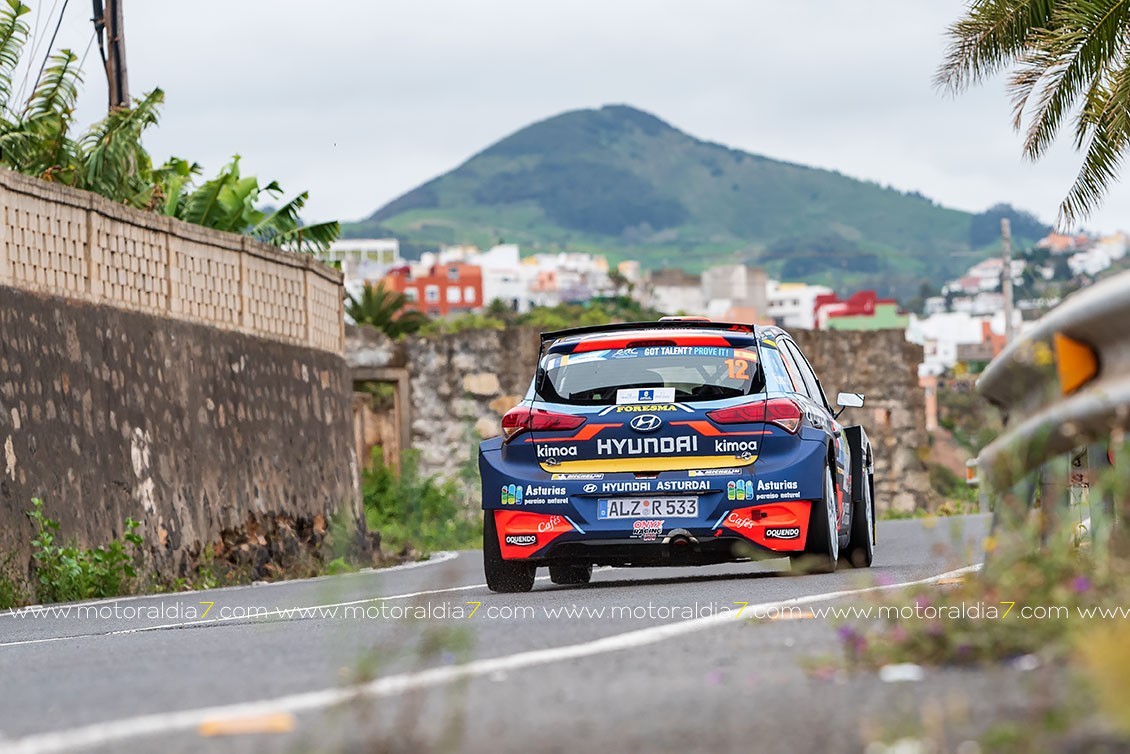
(848,400)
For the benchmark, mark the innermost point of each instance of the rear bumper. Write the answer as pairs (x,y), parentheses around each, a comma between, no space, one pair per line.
(755,532)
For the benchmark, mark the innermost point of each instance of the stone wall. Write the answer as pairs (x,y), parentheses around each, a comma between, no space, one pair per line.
(456,388)
(206,436)
(184,377)
(882,365)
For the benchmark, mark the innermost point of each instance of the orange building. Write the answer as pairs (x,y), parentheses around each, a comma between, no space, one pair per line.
(447,288)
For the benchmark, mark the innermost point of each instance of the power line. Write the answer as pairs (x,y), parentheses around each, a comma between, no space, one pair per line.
(51,44)
(37,41)
(89,44)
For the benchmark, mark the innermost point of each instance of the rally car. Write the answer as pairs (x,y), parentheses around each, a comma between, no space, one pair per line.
(678,442)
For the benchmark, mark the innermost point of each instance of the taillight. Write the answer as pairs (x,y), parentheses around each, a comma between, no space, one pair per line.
(524,418)
(744,414)
(780,411)
(784,413)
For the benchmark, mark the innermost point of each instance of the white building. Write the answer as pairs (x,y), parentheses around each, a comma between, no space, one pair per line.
(505,278)
(363,260)
(793,305)
(940,336)
(673,291)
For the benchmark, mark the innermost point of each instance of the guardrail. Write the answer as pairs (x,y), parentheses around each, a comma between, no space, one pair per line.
(1063,389)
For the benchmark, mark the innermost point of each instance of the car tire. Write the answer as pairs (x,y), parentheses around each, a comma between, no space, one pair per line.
(822,548)
(860,551)
(572,575)
(503,575)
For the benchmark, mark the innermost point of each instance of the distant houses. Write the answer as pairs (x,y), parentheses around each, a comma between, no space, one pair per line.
(458,279)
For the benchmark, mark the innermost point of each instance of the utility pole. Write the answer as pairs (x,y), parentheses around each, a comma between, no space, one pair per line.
(113,50)
(1006,276)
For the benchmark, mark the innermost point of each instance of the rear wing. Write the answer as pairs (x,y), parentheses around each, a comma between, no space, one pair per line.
(686,324)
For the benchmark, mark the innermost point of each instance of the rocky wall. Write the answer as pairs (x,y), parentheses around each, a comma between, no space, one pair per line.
(883,366)
(211,438)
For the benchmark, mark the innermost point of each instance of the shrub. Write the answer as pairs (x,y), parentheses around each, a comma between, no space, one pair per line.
(67,572)
(413,511)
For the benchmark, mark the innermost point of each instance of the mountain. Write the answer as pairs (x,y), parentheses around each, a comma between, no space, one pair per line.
(622,182)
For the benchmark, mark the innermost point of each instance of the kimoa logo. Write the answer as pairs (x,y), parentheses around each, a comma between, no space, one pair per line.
(734,446)
(640,446)
(555,451)
(521,540)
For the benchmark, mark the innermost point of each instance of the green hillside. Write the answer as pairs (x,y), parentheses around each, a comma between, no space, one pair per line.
(624,183)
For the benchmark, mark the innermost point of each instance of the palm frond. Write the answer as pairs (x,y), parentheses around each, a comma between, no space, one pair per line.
(1105,134)
(991,35)
(115,163)
(1065,62)
(310,239)
(384,309)
(13,34)
(201,206)
(56,92)
(172,181)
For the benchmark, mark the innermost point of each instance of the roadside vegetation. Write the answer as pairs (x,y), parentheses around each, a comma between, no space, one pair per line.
(62,571)
(417,515)
(38,138)
(1048,598)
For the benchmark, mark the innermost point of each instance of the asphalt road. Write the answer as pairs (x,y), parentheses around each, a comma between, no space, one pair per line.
(641,659)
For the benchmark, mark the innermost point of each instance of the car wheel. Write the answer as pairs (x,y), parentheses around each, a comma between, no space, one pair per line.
(570,574)
(861,547)
(503,575)
(822,550)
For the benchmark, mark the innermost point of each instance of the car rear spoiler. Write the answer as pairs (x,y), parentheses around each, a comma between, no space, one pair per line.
(547,337)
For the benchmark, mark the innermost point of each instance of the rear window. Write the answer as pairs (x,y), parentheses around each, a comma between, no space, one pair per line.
(656,374)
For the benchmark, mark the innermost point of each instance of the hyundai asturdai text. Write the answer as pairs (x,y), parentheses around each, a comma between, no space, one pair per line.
(678,442)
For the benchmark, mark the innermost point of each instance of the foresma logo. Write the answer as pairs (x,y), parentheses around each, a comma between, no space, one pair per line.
(636,408)
(784,532)
(522,540)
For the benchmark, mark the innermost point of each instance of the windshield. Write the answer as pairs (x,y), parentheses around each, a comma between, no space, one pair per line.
(659,374)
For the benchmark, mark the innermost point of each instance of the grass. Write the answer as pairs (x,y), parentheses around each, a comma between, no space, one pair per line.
(416,514)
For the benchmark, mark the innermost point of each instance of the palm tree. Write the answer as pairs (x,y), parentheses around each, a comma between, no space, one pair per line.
(385,310)
(1065,55)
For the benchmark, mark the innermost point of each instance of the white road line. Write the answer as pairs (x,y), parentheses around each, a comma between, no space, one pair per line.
(282,611)
(288,611)
(435,559)
(114,731)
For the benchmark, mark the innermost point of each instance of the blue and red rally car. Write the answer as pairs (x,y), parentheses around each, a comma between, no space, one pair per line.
(678,442)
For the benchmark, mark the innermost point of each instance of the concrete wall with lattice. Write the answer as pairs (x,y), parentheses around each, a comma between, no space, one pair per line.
(63,242)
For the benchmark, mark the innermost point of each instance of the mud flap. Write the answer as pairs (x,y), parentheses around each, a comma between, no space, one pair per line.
(861,463)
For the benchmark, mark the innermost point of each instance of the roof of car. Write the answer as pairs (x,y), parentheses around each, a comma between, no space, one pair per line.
(644,330)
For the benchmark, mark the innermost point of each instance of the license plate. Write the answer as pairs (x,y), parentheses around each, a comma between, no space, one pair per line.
(653,507)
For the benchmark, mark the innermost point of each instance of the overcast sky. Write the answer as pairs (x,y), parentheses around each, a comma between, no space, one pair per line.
(358,102)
